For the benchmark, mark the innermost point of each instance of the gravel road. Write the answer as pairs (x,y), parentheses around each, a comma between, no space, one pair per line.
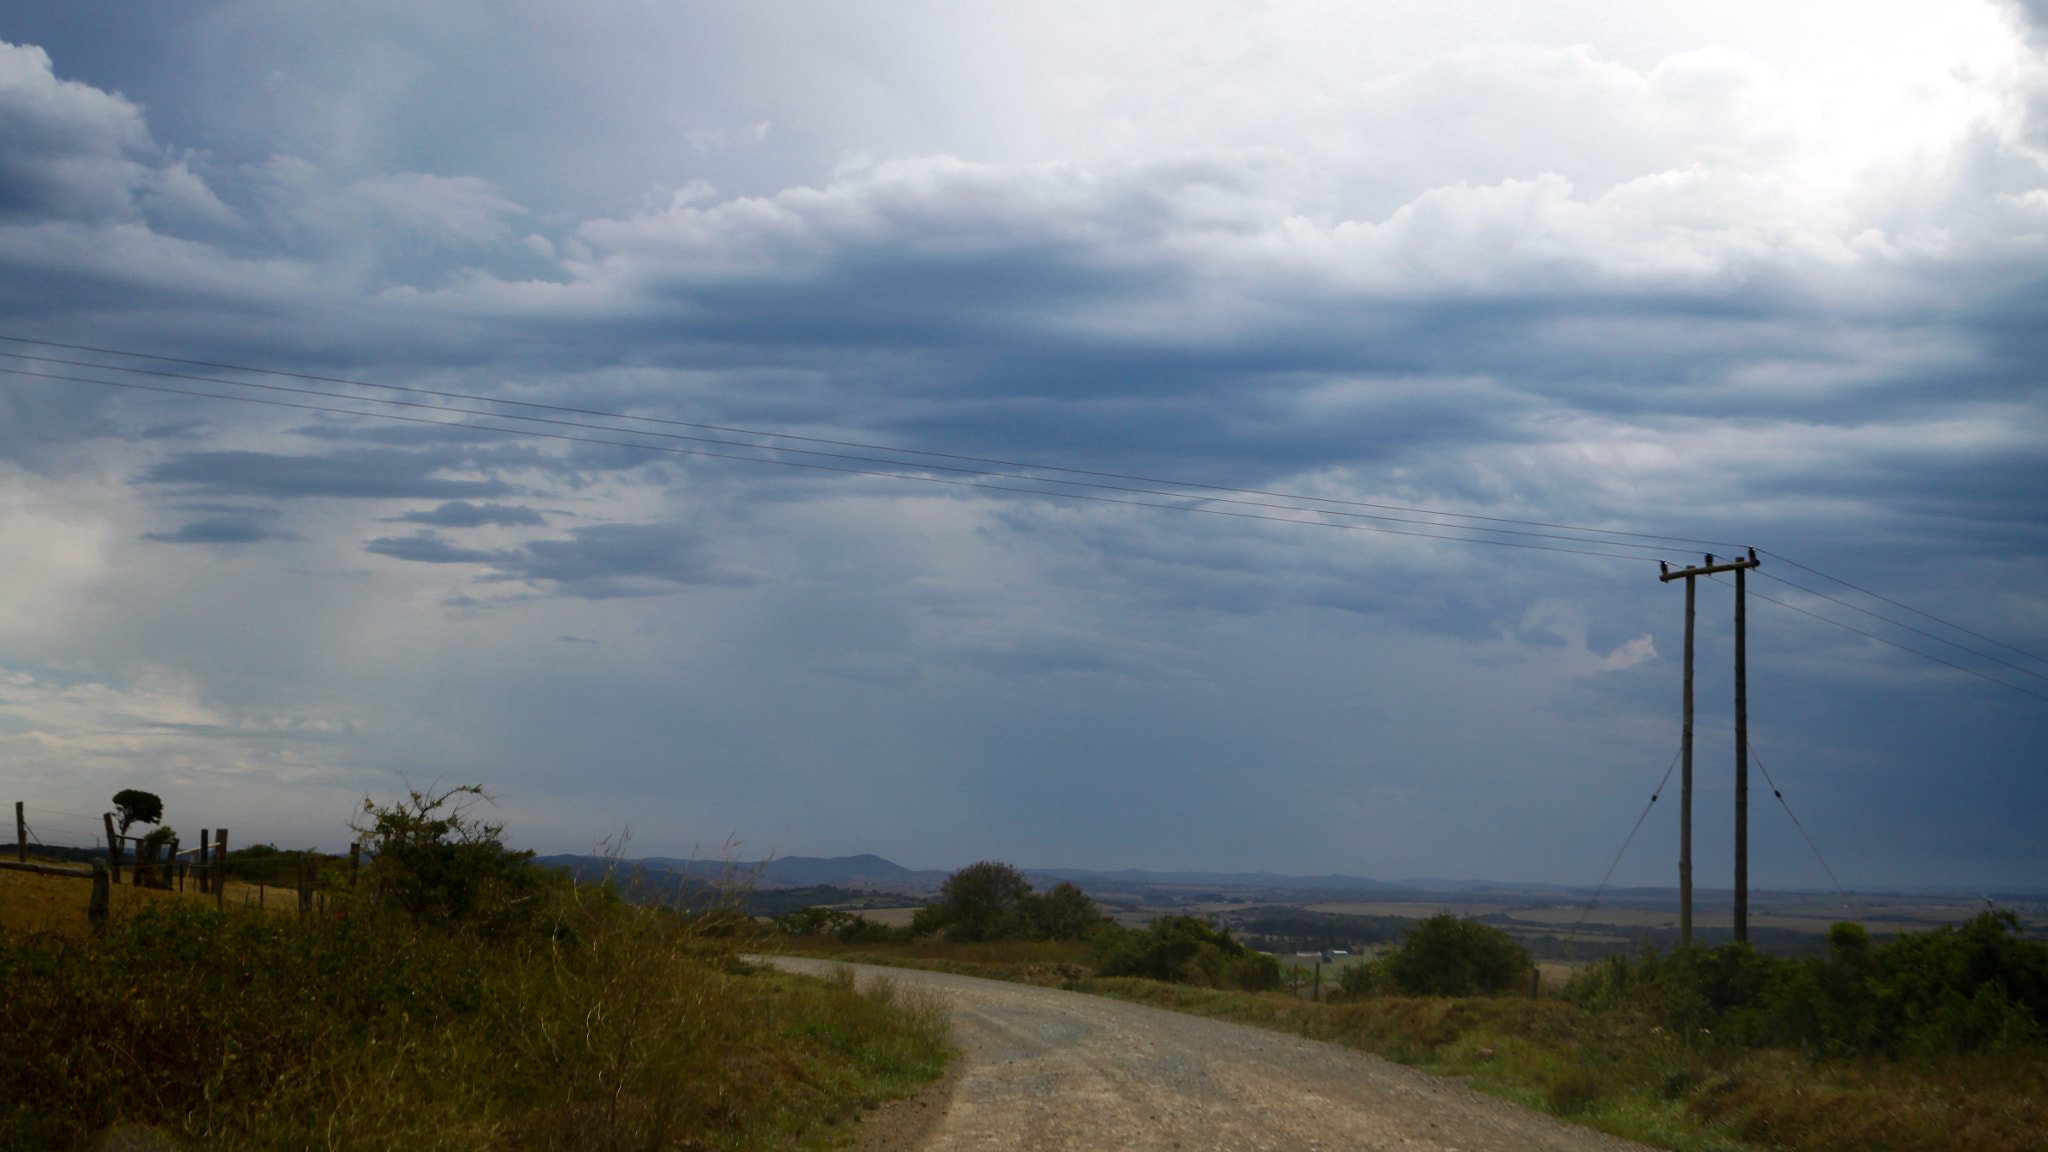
(1044,1069)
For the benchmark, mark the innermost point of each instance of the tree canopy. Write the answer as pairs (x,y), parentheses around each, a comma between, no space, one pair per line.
(990,900)
(134,806)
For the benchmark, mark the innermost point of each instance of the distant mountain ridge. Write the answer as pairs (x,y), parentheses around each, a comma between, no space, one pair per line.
(871,871)
(1140,877)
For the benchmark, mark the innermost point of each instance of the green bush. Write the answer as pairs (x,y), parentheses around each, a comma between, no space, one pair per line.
(1445,956)
(431,860)
(1962,989)
(1187,950)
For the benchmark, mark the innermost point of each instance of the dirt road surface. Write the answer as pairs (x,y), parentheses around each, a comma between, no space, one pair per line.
(1044,1070)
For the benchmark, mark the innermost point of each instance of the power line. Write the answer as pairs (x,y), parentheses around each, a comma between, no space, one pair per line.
(848,471)
(1907,607)
(1893,643)
(1590,536)
(780,448)
(1907,627)
(805,439)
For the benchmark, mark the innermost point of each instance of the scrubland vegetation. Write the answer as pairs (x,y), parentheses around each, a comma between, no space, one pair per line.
(1933,1042)
(453,997)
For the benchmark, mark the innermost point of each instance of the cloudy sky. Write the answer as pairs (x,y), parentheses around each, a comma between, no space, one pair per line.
(1747,274)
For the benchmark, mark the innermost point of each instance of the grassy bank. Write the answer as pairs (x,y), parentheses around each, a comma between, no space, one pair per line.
(1615,1070)
(589,1025)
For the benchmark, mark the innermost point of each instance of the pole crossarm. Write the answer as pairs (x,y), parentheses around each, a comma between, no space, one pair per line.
(1709,569)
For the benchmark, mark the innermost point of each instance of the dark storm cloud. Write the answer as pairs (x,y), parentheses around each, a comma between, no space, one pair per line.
(365,475)
(463,514)
(428,548)
(220,530)
(600,562)
(607,560)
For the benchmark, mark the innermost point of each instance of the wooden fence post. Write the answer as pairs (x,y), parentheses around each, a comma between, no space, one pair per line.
(113,847)
(20,834)
(205,858)
(177,870)
(218,874)
(96,911)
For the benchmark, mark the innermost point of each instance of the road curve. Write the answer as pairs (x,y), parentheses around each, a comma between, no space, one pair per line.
(1045,1070)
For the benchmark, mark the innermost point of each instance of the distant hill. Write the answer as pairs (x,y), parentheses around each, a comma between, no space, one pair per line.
(1140,878)
(864,871)
(871,871)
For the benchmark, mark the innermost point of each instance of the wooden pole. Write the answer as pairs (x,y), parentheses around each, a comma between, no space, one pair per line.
(113,847)
(20,833)
(1741,745)
(218,874)
(96,911)
(205,858)
(177,870)
(1685,786)
(1741,757)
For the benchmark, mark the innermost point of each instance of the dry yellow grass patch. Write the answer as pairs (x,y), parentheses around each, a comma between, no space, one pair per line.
(33,902)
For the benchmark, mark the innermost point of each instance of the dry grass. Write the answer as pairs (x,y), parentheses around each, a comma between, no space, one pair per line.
(603,1027)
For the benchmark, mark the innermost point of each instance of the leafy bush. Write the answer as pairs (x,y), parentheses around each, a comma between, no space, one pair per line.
(1187,950)
(1444,956)
(430,859)
(1973,987)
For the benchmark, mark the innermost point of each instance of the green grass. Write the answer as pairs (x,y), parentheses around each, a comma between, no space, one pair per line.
(1617,1073)
(601,1026)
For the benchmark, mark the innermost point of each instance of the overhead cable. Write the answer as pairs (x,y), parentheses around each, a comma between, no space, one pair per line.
(813,439)
(533,432)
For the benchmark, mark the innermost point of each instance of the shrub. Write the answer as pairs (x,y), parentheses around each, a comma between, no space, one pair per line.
(1187,950)
(431,860)
(1977,986)
(1447,956)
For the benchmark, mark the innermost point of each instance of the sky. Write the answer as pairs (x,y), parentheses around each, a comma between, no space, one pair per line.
(1740,275)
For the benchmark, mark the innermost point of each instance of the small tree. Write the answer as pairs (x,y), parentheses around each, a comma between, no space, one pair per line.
(134,806)
(1064,912)
(436,863)
(1446,956)
(983,901)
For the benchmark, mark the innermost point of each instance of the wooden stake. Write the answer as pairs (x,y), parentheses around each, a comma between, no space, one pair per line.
(20,834)
(218,874)
(113,847)
(96,911)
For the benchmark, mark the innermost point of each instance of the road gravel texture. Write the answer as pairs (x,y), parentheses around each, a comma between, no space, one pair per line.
(1043,1069)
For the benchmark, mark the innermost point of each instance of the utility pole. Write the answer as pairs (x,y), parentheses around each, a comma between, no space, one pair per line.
(1666,575)
(1742,754)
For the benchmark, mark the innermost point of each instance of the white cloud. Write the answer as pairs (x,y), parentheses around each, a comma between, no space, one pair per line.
(66,149)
